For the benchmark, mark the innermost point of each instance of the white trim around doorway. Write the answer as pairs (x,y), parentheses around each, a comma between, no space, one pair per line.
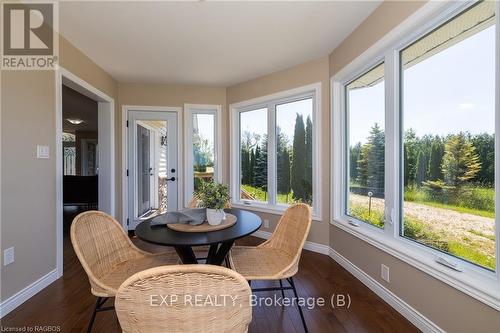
(180,184)
(105,104)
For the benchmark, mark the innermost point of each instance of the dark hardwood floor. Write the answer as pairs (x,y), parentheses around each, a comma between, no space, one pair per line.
(67,302)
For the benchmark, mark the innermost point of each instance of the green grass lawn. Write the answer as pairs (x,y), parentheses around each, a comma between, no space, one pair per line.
(418,231)
(478,201)
(261,195)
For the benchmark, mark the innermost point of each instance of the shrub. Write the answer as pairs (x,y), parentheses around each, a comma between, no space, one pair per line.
(375,217)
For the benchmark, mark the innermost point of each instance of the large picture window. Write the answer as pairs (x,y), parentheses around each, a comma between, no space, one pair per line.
(276,149)
(448,135)
(416,147)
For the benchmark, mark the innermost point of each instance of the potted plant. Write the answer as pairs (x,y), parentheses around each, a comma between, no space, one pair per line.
(213,196)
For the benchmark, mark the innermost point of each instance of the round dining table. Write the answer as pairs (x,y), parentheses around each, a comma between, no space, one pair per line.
(220,241)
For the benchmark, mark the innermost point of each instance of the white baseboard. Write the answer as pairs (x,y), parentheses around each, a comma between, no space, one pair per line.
(406,310)
(314,247)
(29,291)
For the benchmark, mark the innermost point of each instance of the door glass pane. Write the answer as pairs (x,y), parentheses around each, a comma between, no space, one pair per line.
(294,134)
(143,170)
(448,99)
(253,152)
(203,148)
(152,168)
(365,104)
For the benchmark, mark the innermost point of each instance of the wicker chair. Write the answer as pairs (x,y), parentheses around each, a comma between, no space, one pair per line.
(278,257)
(108,255)
(162,299)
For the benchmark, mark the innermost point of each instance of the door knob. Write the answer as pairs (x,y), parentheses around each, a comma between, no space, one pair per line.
(171,179)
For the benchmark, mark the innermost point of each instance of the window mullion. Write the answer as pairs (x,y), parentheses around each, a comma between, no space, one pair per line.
(271,153)
(497,140)
(392,138)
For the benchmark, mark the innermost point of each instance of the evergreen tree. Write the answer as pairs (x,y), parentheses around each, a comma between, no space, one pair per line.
(255,168)
(435,160)
(460,162)
(299,160)
(354,156)
(421,173)
(406,169)
(260,168)
(411,144)
(371,164)
(245,163)
(363,166)
(485,148)
(284,172)
(309,150)
(246,148)
(251,166)
(283,164)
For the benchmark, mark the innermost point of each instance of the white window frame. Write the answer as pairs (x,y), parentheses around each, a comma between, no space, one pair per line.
(270,101)
(191,110)
(477,282)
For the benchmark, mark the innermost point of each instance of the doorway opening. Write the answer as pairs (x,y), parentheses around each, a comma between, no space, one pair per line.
(152,164)
(84,154)
(80,145)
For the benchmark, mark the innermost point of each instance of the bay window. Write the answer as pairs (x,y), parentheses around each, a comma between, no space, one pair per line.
(275,160)
(416,149)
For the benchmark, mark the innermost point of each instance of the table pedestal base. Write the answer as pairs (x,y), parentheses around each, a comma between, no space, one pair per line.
(216,254)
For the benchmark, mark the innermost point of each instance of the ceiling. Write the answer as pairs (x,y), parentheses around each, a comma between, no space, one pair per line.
(206,43)
(77,106)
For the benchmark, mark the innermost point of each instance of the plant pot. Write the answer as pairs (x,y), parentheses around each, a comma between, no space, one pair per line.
(215,216)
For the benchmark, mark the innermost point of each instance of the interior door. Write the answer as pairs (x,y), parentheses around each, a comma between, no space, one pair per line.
(152,164)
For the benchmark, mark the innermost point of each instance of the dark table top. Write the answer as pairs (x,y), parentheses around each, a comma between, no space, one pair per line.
(246,224)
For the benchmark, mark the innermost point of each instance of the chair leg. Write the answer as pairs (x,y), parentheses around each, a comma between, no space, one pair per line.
(282,291)
(91,322)
(300,308)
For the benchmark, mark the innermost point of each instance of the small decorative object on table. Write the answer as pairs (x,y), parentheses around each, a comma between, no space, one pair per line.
(213,196)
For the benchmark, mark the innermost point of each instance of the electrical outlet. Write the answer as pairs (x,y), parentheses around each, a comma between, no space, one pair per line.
(8,256)
(266,223)
(385,273)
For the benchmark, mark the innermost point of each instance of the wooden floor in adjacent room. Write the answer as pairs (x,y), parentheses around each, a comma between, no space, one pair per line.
(67,303)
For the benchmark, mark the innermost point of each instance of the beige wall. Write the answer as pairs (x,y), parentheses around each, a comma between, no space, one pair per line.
(450,309)
(387,16)
(304,74)
(28,189)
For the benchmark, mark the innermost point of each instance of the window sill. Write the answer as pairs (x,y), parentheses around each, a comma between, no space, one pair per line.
(270,209)
(482,286)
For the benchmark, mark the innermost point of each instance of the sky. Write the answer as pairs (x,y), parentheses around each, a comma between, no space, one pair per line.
(256,121)
(449,92)
(206,129)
